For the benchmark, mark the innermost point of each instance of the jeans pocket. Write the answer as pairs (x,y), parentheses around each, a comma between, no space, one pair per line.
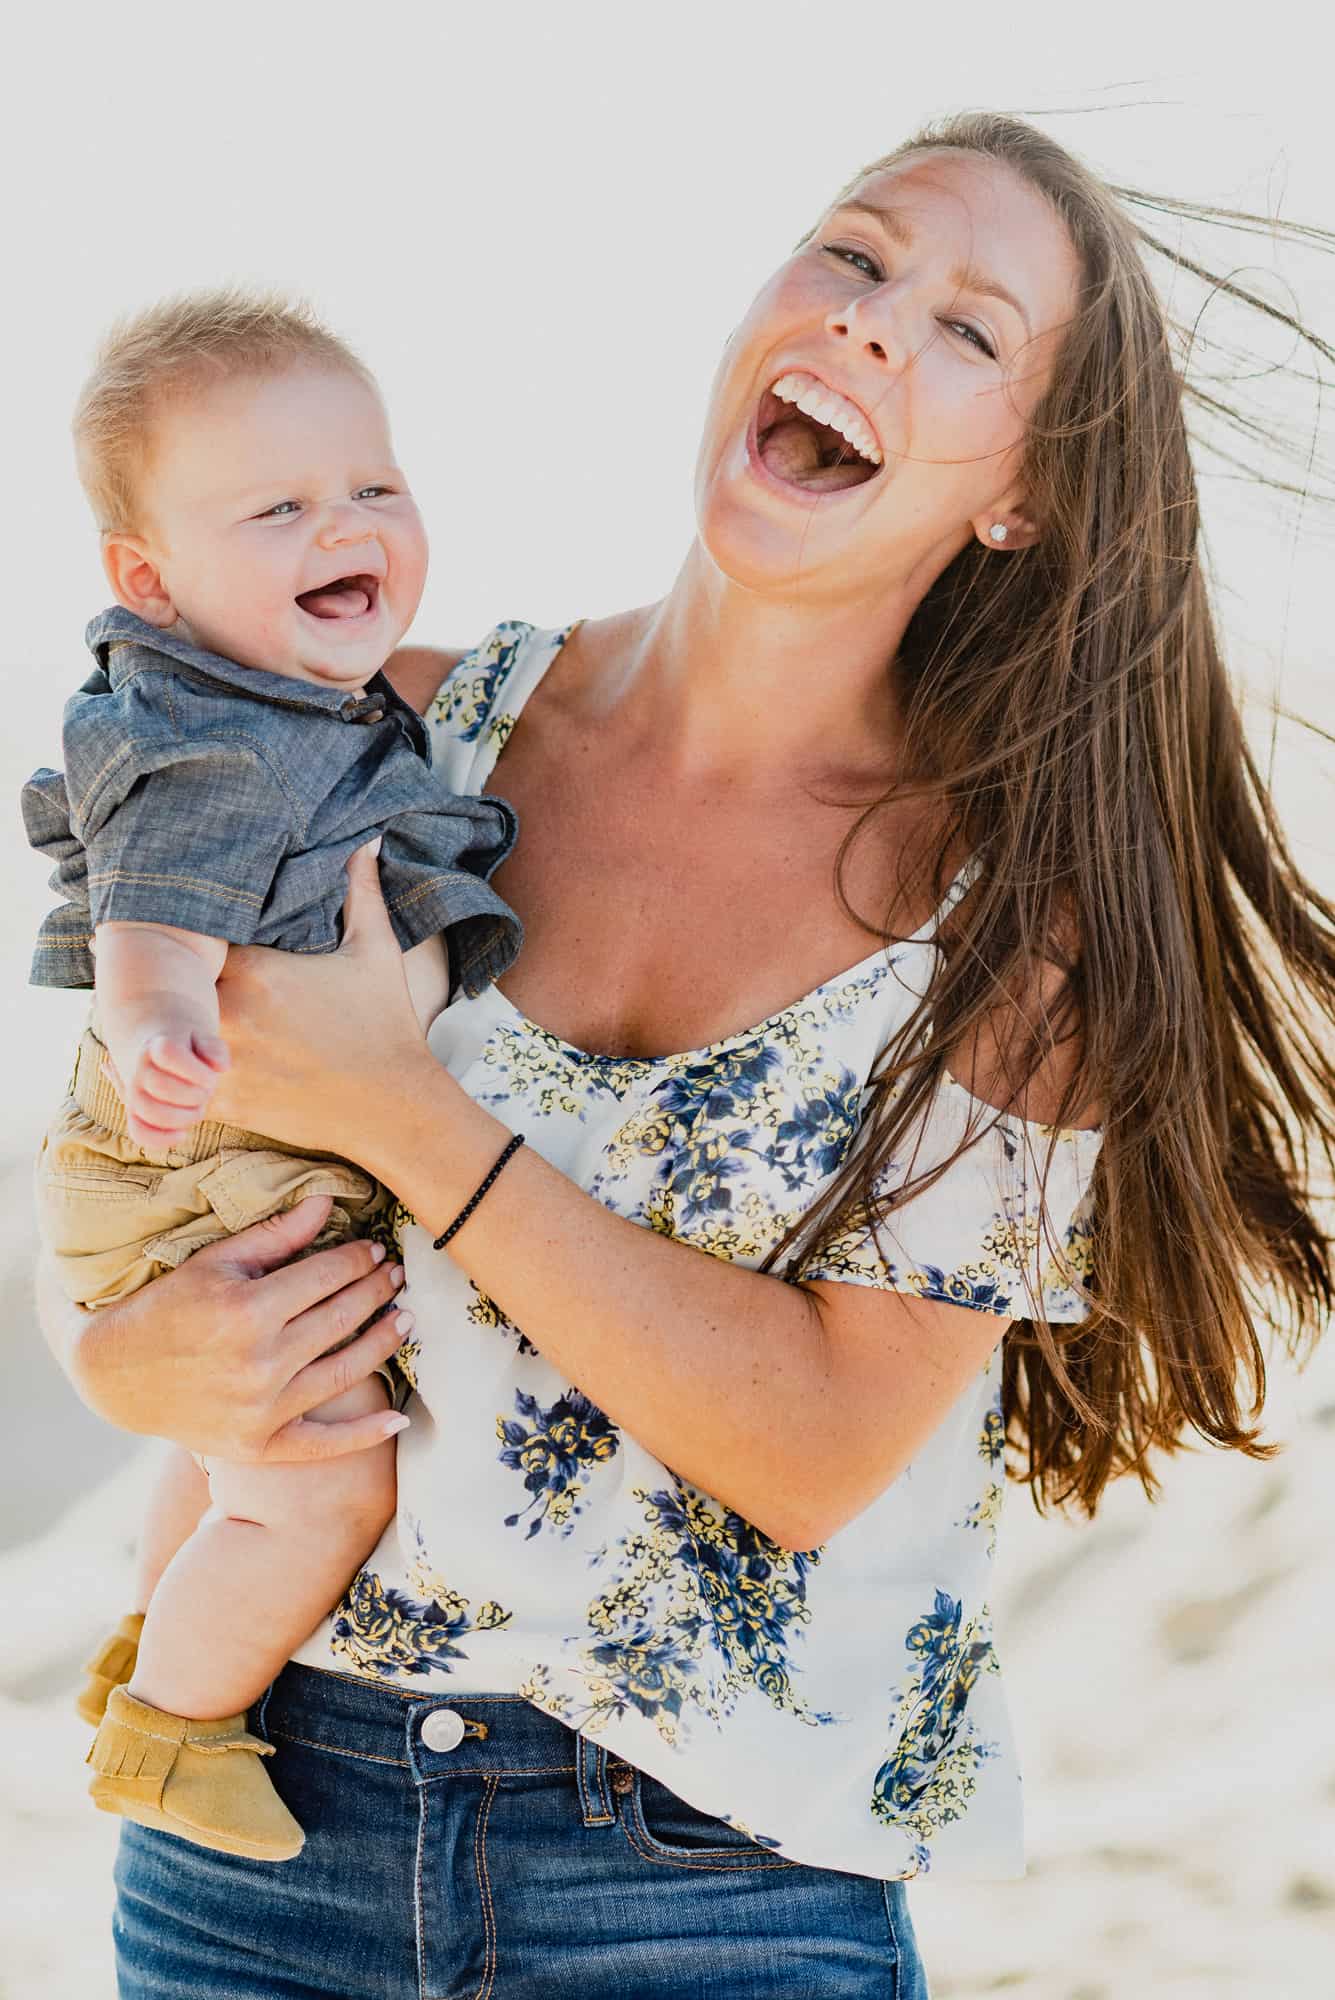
(664,1827)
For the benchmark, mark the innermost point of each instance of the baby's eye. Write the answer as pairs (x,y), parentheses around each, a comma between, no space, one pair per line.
(280,512)
(367,492)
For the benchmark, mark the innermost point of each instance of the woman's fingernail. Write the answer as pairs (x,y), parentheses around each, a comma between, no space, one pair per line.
(377,1253)
(396,1275)
(373,846)
(404,1321)
(397,1424)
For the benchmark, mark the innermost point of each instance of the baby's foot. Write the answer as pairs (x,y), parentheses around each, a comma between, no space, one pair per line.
(202,1781)
(169,1087)
(111,1666)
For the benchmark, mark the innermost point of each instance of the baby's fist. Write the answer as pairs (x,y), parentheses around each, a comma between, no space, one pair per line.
(170,1084)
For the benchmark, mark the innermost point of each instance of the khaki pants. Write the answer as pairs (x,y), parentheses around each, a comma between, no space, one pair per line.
(115,1215)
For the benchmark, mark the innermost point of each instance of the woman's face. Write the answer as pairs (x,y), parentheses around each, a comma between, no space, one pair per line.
(868,415)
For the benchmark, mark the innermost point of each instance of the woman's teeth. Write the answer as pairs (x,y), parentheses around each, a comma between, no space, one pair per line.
(827,407)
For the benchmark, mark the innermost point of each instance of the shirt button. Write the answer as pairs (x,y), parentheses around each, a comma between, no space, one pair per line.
(443,1729)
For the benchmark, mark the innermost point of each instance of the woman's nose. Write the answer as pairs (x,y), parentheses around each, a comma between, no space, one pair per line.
(868,324)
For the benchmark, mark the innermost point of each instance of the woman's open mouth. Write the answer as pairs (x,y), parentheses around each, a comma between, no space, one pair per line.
(343,598)
(810,437)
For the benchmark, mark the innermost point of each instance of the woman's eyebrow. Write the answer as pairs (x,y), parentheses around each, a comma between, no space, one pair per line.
(900,231)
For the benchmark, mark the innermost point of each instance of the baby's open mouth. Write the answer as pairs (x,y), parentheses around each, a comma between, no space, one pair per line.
(344,597)
(810,436)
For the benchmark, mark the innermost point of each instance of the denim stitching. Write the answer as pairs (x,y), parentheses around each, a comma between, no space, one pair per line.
(738,1866)
(233,737)
(482,1770)
(360,1756)
(656,1851)
(140,877)
(98,779)
(886,1886)
(423,1812)
(894,1942)
(484,1885)
(415,895)
(590,1817)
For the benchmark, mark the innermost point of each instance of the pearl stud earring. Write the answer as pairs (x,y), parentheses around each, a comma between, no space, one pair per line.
(998,531)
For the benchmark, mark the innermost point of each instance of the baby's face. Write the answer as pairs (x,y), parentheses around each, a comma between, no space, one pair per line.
(284,532)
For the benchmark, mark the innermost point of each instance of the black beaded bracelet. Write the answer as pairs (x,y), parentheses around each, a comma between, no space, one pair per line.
(468,1207)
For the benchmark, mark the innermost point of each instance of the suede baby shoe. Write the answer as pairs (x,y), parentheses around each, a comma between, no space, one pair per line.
(201,1780)
(111,1666)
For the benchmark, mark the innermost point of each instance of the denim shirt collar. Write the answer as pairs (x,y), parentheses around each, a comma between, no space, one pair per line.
(113,632)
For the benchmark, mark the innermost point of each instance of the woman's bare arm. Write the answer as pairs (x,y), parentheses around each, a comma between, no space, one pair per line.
(796,1405)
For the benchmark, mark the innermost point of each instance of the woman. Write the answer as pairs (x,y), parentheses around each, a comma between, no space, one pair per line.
(677,1664)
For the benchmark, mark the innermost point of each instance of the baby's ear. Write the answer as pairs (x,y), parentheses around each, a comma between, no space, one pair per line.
(135,579)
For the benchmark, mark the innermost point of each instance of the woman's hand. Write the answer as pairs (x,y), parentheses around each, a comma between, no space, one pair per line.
(322,1046)
(227,1354)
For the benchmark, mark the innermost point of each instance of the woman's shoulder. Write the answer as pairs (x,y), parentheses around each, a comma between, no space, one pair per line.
(471,700)
(425,675)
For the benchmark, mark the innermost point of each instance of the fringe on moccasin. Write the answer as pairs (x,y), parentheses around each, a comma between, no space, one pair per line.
(200,1780)
(112,1665)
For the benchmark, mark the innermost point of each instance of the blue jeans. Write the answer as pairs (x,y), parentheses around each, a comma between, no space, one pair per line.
(519,1863)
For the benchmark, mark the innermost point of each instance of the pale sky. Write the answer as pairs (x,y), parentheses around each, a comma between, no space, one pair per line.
(539,224)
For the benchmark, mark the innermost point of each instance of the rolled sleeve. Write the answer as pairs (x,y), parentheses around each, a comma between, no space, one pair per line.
(195,841)
(1007,1228)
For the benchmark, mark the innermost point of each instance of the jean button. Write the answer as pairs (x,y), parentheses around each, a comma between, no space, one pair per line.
(443,1729)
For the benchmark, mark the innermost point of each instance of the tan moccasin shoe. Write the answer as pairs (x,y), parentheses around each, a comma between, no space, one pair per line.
(111,1666)
(201,1780)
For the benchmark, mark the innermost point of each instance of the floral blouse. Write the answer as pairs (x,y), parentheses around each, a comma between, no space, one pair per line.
(842,1705)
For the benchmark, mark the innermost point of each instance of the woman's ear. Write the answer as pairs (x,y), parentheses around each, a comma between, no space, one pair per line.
(136,579)
(1006,527)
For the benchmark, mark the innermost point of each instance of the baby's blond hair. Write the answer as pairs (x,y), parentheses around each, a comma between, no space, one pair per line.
(150,358)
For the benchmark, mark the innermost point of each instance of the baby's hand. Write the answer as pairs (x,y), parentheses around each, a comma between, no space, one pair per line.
(171,1078)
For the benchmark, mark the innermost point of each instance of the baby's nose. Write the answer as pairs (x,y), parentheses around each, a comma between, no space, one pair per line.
(348,523)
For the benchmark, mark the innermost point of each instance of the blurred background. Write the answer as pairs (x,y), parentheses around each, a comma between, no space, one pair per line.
(539,225)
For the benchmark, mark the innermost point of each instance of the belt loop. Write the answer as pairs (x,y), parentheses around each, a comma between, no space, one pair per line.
(591,1777)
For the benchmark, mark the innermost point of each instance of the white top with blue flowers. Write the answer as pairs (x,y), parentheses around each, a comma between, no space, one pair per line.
(842,1705)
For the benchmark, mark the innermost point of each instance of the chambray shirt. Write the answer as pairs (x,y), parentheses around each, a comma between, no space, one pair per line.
(226,800)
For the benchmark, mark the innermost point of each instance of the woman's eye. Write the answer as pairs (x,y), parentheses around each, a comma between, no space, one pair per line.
(972,335)
(858,258)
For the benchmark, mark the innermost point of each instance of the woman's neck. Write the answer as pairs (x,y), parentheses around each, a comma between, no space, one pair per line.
(726,680)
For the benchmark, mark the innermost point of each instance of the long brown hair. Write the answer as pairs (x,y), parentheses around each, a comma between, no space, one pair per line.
(1068,707)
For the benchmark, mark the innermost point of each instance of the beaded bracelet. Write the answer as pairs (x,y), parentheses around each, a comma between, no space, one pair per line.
(468,1207)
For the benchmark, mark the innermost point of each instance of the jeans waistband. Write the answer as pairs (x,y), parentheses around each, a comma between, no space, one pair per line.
(436,1735)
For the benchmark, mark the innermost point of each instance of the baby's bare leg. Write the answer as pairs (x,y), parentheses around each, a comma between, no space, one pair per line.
(179,1497)
(276,1550)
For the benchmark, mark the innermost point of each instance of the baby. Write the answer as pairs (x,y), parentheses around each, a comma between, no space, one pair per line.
(235,742)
